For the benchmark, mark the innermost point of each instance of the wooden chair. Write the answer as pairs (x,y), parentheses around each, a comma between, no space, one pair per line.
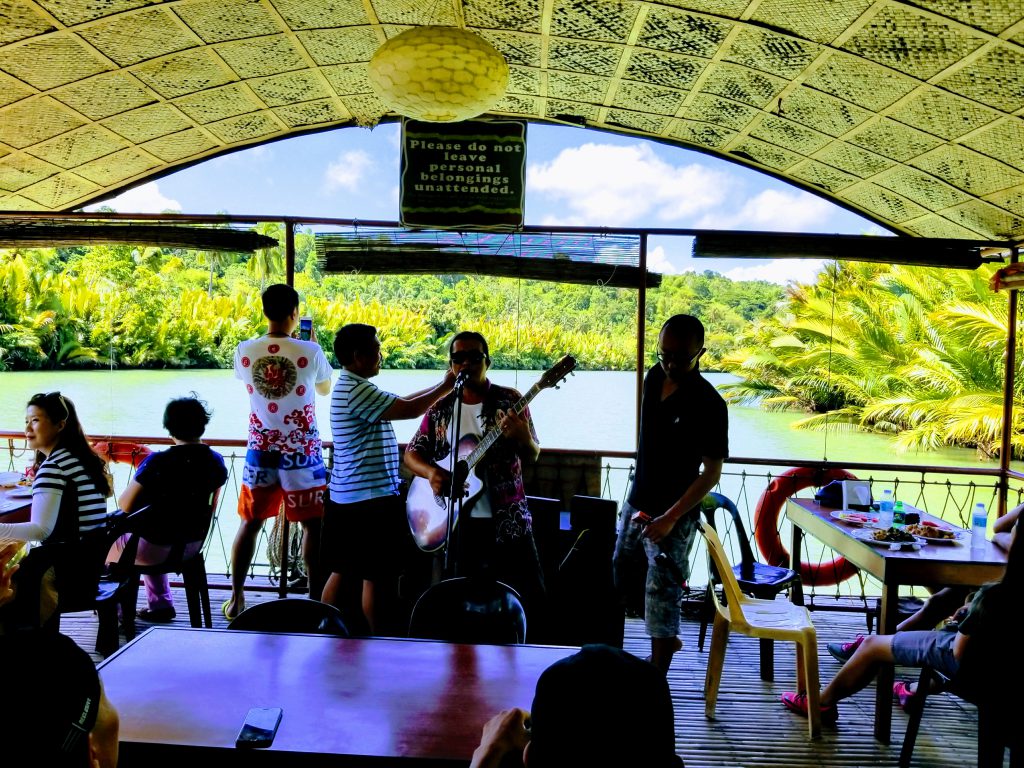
(755,579)
(192,569)
(998,729)
(768,619)
(291,614)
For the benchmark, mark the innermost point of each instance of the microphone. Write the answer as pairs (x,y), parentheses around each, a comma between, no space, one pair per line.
(461,380)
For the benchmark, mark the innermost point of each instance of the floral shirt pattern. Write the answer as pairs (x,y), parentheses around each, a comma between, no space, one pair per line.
(501,469)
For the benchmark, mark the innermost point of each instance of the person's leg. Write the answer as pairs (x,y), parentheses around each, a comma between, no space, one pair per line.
(311,556)
(941,605)
(371,606)
(664,591)
(628,562)
(260,498)
(158,586)
(158,592)
(304,483)
(340,541)
(242,551)
(859,670)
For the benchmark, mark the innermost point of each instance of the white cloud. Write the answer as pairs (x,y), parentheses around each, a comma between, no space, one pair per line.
(615,186)
(774,210)
(658,261)
(347,171)
(781,271)
(145,198)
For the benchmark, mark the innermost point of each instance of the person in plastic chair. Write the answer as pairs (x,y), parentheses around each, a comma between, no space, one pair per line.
(946,606)
(57,714)
(991,609)
(577,717)
(179,482)
(684,441)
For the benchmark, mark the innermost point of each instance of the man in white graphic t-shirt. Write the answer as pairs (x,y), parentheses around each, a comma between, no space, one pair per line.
(284,462)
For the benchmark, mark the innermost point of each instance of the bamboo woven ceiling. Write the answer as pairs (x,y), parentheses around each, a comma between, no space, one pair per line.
(909,113)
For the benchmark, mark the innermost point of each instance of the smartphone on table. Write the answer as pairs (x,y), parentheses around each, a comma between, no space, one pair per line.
(259,728)
(306,328)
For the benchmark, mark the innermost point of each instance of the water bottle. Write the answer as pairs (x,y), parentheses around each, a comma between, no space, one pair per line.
(885,510)
(898,515)
(979,522)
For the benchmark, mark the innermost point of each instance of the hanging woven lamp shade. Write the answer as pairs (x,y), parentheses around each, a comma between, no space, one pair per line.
(438,74)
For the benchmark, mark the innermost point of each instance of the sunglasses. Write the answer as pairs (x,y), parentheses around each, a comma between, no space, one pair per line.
(472,356)
(58,396)
(678,358)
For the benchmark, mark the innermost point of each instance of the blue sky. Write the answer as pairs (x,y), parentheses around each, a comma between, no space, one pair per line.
(575,176)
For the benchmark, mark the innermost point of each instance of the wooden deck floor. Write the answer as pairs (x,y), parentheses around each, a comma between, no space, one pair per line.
(752,728)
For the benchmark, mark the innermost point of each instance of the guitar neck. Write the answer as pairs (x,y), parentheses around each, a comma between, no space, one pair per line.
(488,440)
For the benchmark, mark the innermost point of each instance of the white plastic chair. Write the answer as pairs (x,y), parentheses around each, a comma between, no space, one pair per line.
(763,619)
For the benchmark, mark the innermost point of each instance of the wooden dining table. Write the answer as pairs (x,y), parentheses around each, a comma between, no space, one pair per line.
(939,565)
(183,694)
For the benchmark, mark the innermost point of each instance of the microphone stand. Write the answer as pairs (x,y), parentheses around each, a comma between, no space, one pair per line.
(453,498)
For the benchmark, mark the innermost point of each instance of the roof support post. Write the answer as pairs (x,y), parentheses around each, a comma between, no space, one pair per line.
(289,251)
(1006,448)
(641,327)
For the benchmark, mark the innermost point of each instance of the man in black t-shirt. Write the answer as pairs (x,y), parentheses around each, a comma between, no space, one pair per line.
(684,428)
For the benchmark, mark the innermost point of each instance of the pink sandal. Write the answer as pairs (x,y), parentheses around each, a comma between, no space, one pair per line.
(901,690)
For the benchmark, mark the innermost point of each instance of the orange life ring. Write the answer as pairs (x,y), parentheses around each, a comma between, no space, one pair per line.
(766,524)
(122,452)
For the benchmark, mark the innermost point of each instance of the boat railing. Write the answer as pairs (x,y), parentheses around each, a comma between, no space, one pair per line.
(946,492)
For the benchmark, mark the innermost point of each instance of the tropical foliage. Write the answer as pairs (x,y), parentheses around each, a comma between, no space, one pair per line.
(150,308)
(916,353)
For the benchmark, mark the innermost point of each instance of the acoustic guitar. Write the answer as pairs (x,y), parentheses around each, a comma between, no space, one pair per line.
(426,511)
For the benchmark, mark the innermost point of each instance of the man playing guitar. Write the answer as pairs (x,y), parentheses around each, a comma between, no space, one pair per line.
(494,537)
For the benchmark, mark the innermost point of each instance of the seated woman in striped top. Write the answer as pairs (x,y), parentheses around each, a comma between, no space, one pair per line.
(70,489)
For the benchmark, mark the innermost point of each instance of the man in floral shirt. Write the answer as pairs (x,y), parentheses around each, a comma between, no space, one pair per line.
(494,536)
(284,463)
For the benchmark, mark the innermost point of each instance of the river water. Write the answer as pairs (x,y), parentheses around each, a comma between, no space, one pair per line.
(589,411)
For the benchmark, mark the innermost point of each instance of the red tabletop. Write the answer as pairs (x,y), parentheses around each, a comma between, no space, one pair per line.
(357,701)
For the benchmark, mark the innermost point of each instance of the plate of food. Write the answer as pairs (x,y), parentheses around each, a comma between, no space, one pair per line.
(894,538)
(937,534)
(10,479)
(850,517)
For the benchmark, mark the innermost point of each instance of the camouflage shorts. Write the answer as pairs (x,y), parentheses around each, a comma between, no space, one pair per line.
(662,591)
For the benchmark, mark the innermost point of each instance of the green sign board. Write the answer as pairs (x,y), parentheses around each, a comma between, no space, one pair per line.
(468,174)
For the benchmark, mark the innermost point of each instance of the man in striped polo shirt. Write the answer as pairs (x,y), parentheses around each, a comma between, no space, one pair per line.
(364,519)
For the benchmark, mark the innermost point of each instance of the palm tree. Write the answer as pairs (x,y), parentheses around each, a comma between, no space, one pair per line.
(916,353)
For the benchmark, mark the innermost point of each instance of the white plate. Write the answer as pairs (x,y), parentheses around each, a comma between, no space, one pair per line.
(10,478)
(21,492)
(958,537)
(866,536)
(850,518)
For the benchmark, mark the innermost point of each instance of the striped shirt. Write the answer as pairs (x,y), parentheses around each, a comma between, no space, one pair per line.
(365,447)
(63,474)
